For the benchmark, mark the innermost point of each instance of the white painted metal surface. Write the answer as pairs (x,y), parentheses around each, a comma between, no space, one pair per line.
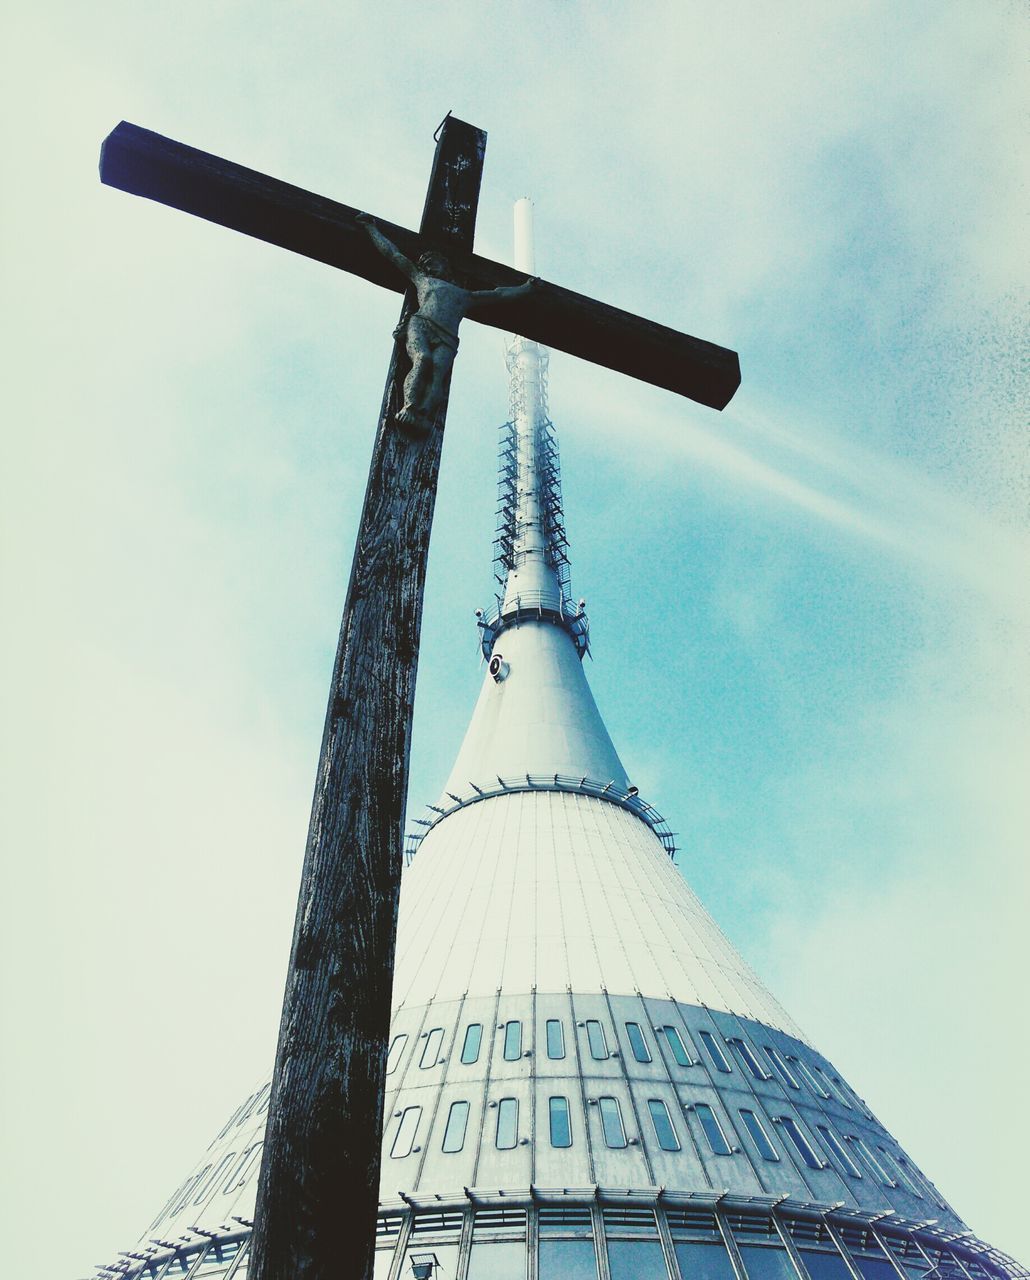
(541,718)
(552,890)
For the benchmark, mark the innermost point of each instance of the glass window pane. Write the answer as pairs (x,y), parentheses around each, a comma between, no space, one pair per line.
(703,1261)
(744,1052)
(805,1072)
(874,1268)
(507,1123)
(595,1037)
(781,1068)
(675,1043)
(804,1148)
(637,1042)
(381,1266)
(715,1052)
(250,1166)
(209,1182)
(457,1119)
(767,1263)
(636,1260)
(561,1127)
(512,1041)
(874,1164)
(840,1151)
(824,1266)
(567,1260)
(713,1129)
(611,1122)
(837,1093)
(431,1048)
(663,1126)
(555,1039)
(394,1056)
(404,1139)
(504,1260)
(759,1136)
(901,1174)
(473,1039)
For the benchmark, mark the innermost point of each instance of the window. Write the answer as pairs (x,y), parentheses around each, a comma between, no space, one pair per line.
(839,1150)
(394,1056)
(746,1055)
(824,1266)
(561,1126)
(663,1127)
(555,1038)
(804,1148)
(498,1246)
(637,1042)
(182,1196)
(836,1092)
(872,1161)
(431,1048)
(512,1041)
(713,1129)
(703,1260)
(714,1051)
(404,1138)
(759,1136)
(595,1038)
(804,1071)
(675,1043)
(781,1068)
(473,1039)
(209,1182)
(845,1088)
(454,1134)
(635,1259)
(507,1120)
(900,1174)
(562,1260)
(611,1122)
(763,1263)
(246,1168)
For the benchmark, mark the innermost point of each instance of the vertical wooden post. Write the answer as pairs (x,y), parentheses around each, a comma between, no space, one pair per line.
(318,1189)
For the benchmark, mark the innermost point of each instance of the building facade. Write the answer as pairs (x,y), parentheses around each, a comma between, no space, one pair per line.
(585,1080)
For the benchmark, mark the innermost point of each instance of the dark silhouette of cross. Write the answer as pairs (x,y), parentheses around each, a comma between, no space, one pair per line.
(318,1187)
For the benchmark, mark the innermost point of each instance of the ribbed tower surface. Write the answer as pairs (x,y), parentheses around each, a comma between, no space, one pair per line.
(585,1079)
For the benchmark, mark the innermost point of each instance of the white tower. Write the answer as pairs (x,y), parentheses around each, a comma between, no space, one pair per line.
(585,1080)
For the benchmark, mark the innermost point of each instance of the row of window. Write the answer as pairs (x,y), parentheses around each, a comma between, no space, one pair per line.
(889,1170)
(570,1239)
(256,1104)
(236,1169)
(821,1084)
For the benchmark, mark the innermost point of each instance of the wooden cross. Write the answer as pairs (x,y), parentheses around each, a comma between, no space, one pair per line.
(318,1187)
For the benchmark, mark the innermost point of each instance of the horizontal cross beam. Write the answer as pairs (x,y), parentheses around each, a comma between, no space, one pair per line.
(147,164)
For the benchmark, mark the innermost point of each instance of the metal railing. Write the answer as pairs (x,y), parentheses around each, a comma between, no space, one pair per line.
(626,799)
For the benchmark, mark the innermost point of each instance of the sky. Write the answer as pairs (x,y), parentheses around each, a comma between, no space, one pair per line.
(810,616)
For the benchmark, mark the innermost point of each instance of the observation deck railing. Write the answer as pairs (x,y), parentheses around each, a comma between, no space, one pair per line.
(626,799)
(535,606)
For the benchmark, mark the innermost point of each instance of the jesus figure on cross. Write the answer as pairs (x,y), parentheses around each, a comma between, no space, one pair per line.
(431,333)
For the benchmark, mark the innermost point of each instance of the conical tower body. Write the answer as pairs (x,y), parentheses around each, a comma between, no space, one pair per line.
(585,1079)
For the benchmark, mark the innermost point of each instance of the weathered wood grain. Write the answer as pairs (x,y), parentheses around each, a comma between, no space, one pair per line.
(319,1182)
(147,164)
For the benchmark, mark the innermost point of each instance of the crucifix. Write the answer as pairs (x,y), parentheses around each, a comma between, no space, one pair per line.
(322,1145)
